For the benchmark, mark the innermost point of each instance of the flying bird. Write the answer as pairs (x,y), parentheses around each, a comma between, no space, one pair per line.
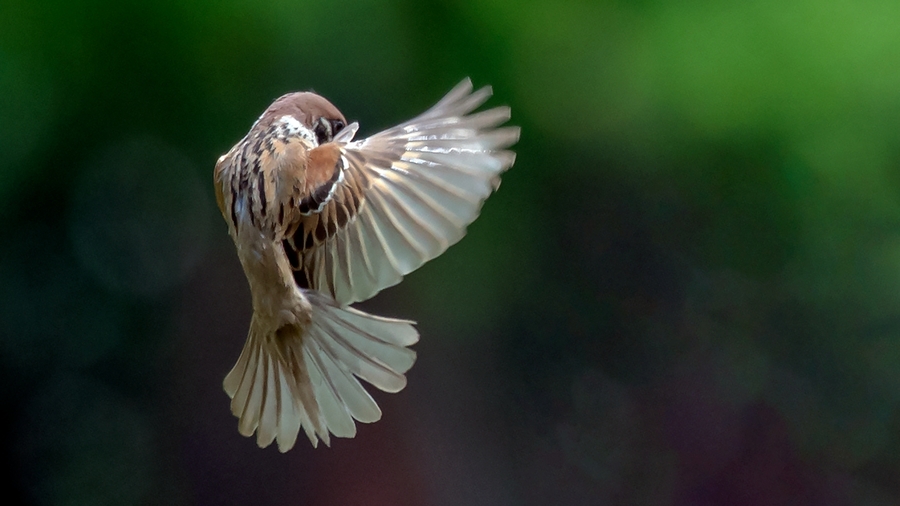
(321,221)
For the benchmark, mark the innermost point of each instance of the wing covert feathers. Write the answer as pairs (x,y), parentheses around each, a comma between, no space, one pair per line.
(309,377)
(408,193)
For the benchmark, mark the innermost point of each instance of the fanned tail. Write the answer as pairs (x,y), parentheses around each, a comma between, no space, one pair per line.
(306,377)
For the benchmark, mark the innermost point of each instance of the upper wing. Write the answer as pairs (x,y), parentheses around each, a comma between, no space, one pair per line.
(404,196)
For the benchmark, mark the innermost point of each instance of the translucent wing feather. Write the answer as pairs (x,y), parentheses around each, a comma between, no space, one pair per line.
(406,195)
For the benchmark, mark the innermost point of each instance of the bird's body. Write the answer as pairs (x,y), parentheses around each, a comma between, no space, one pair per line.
(320,222)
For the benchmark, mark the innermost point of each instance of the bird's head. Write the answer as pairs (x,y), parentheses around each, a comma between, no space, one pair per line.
(305,114)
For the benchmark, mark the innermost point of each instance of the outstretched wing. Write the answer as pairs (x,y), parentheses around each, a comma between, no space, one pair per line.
(403,197)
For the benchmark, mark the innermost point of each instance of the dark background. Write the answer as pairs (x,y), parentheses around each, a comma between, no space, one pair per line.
(686,291)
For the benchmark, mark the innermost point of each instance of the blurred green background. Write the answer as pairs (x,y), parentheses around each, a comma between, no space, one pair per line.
(686,291)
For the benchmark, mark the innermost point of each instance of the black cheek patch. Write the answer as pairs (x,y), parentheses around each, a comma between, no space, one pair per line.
(322,134)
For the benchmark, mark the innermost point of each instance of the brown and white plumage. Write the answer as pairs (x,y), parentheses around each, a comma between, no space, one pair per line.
(321,221)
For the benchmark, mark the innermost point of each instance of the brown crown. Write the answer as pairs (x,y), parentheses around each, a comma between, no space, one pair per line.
(306,107)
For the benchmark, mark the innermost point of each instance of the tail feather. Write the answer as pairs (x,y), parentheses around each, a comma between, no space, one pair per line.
(307,377)
(359,403)
(270,391)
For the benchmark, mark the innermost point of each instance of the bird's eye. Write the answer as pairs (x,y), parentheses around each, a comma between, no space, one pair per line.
(337,125)
(323,131)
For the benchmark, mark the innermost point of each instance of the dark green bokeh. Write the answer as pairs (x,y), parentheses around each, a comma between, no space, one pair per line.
(686,291)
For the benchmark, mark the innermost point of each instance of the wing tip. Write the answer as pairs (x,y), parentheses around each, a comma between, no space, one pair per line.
(464,84)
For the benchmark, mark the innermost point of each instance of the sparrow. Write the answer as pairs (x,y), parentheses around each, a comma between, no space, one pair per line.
(321,221)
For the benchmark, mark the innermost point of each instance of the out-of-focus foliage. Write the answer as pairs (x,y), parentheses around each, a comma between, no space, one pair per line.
(686,291)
